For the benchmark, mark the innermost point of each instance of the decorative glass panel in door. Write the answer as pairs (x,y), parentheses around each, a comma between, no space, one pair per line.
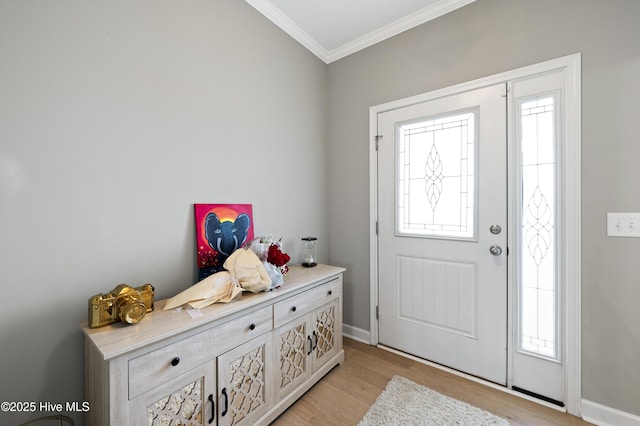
(436,176)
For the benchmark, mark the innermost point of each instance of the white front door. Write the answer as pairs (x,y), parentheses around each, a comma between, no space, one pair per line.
(442,206)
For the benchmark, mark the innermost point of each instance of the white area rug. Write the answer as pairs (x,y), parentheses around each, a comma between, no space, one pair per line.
(406,403)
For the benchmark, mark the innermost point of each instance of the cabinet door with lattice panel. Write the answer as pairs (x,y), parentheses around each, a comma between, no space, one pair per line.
(244,382)
(326,336)
(186,400)
(293,347)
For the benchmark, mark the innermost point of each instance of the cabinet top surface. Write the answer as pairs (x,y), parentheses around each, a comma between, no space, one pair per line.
(119,338)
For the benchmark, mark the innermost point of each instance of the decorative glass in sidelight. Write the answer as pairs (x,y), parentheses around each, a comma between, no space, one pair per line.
(537,254)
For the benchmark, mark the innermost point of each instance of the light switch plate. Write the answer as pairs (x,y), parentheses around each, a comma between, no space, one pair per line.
(623,225)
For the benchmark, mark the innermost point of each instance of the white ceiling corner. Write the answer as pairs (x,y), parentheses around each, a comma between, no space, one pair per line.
(333,29)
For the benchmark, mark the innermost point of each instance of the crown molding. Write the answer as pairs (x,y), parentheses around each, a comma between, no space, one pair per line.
(434,11)
(427,14)
(288,26)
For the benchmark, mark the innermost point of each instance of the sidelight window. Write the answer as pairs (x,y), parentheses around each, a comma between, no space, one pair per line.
(537,254)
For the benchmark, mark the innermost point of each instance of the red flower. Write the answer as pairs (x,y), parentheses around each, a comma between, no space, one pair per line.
(276,256)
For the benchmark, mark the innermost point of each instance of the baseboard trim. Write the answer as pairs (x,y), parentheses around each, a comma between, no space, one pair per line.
(355,333)
(602,415)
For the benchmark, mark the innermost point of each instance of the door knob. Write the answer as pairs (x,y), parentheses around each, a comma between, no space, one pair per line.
(495,250)
(495,229)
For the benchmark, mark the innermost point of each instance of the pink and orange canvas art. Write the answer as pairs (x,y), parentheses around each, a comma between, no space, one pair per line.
(220,230)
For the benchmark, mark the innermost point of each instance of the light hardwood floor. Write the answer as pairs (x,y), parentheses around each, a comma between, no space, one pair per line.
(346,393)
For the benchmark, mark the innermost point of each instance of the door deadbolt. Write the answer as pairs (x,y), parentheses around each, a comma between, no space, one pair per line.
(495,229)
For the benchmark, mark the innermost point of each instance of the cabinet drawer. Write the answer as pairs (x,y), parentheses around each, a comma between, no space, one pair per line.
(154,368)
(245,328)
(301,304)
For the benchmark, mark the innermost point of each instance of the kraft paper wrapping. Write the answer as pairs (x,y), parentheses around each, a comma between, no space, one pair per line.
(244,271)
(219,287)
(248,269)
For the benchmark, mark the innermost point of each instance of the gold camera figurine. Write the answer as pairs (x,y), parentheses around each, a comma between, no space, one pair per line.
(123,303)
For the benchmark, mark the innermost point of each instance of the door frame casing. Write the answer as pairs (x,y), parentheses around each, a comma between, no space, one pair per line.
(570,201)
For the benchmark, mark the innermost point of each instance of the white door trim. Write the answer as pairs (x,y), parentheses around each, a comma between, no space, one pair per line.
(571,187)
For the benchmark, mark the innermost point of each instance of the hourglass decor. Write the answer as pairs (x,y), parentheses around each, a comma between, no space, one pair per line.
(309,252)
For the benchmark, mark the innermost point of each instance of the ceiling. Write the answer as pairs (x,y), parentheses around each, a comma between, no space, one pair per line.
(333,29)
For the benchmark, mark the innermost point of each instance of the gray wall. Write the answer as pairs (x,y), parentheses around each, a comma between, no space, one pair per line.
(485,38)
(115,117)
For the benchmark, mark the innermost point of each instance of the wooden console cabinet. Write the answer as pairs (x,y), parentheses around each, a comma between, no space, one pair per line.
(241,363)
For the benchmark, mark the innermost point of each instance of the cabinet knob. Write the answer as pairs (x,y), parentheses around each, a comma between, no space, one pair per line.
(293,309)
(330,292)
(252,326)
(175,361)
